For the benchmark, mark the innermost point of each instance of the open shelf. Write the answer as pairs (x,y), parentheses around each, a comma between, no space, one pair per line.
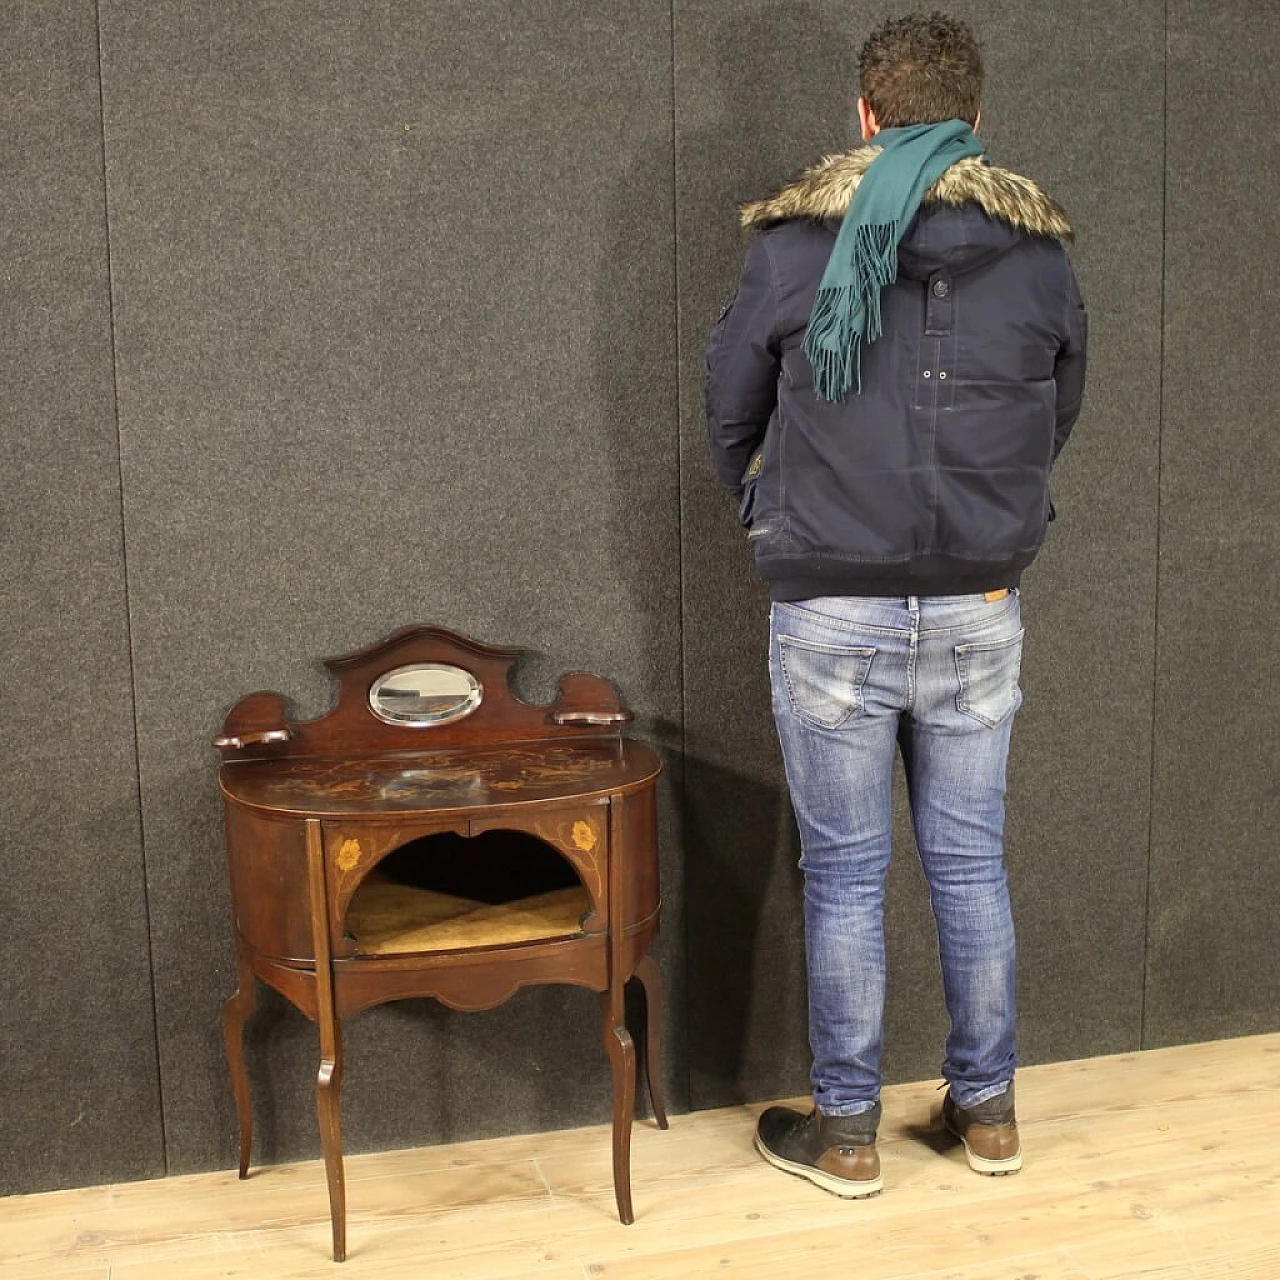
(391,919)
(452,893)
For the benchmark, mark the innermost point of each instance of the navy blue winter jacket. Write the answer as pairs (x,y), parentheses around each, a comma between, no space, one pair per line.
(935,479)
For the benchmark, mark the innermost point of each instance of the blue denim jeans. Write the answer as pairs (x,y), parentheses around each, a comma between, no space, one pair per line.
(854,680)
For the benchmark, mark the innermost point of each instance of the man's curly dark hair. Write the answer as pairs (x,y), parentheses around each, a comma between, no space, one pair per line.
(920,69)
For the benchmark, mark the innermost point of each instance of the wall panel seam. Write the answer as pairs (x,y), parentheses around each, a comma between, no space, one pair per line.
(682,1005)
(128,609)
(1159,569)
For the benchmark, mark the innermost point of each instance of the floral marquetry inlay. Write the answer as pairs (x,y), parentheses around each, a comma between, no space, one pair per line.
(445,780)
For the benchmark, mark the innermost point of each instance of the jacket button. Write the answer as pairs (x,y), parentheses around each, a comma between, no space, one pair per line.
(941,288)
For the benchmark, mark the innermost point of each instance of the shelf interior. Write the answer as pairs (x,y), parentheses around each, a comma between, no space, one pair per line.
(389,919)
(453,893)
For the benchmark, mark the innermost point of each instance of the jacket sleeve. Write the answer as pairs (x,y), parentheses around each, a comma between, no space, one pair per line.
(743,362)
(1069,369)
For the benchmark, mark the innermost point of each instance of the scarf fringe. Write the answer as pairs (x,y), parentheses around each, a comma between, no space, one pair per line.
(846,316)
(864,259)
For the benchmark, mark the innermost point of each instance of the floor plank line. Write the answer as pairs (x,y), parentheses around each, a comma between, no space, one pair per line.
(1144,1166)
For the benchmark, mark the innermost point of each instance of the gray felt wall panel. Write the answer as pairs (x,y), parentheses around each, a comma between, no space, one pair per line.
(81,1096)
(1214,969)
(761,89)
(409,305)
(395,306)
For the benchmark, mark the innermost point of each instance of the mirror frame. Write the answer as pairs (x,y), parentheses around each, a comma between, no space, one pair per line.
(469,703)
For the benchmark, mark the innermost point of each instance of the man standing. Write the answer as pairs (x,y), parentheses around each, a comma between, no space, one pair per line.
(899,369)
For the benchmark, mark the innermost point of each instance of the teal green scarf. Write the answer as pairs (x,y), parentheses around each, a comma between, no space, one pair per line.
(846,312)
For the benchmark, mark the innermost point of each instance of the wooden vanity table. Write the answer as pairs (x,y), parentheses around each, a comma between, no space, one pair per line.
(433,835)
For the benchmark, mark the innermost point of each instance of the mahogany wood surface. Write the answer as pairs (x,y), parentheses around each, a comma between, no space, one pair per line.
(314,808)
(441,783)
(585,704)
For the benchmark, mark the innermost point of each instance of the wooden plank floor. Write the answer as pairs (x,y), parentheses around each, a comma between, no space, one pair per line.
(1162,1165)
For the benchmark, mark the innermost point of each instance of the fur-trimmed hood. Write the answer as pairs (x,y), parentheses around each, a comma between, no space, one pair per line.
(823,193)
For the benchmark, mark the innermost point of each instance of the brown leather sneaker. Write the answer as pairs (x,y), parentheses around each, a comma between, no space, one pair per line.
(836,1153)
(989,1132)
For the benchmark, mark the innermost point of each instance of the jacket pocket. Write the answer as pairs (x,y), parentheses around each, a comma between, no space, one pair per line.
(988,675)
(824,682)
(750,482)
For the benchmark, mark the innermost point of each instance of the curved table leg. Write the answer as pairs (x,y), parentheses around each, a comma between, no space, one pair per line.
(646,974)
(622,1059)
(328,1088)
(329,1079)
(235,1014)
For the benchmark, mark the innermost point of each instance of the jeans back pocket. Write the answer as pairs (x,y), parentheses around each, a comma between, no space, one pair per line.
(988,676)
(824,681)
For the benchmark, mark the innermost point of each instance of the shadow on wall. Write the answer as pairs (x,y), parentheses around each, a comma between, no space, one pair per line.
(755,102)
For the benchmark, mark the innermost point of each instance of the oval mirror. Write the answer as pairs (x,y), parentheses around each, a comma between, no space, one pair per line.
(425,694)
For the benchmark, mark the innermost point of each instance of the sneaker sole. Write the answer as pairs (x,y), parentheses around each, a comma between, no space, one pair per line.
(842,1187)
(983,1164)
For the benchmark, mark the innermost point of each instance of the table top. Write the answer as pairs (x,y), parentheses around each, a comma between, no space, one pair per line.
(438,783)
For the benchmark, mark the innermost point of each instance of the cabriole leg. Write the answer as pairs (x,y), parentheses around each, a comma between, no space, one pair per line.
(235,1014)
(329,1080)
(622,1060)
(328,1090)
(647,976)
